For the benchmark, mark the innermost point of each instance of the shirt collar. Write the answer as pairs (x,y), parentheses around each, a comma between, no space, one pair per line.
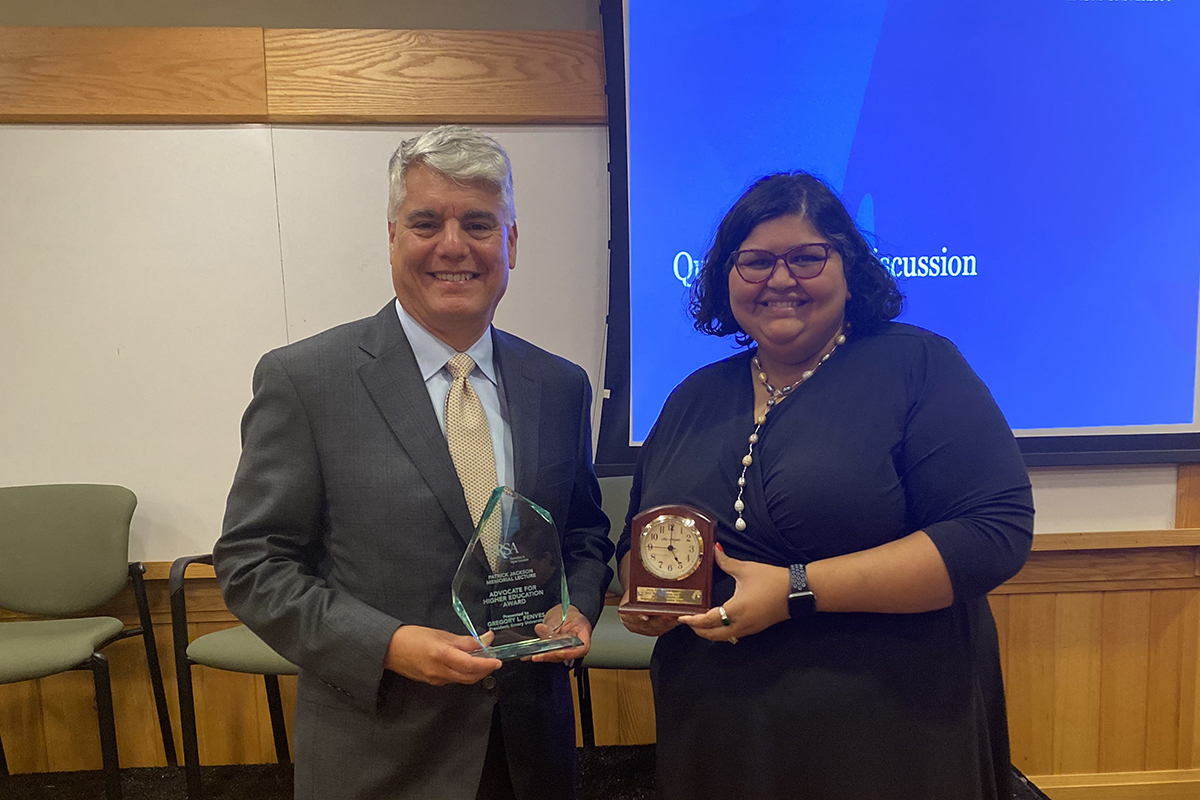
(432,353)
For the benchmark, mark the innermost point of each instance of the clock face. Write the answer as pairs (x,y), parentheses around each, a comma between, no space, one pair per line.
(670,547)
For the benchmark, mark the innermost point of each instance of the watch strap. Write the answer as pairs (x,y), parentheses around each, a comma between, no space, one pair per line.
(799,578)
(801,602)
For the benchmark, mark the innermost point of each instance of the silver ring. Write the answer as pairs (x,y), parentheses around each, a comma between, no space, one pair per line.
(732,640)
(725,620)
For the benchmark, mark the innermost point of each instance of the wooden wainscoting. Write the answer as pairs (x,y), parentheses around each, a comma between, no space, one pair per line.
(49,725)
(1099,651)
(1100,644)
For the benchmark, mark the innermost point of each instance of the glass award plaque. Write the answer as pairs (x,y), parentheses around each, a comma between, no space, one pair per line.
(511,581)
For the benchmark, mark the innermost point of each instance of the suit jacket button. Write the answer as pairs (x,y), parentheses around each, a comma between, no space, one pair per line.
(489,683)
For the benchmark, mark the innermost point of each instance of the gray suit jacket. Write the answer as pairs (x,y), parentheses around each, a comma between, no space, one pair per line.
(346,519)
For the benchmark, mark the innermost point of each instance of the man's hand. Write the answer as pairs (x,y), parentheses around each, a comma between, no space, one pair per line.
(575,623)
(437,657)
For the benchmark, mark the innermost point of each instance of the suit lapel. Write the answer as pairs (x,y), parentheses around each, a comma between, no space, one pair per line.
(522,389)
(393,380)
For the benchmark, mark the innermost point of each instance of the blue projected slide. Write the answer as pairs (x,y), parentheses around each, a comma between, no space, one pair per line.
(1029,170)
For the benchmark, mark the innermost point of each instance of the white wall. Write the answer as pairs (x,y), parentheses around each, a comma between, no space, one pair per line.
(144,270)
(139,278)
(1074,499)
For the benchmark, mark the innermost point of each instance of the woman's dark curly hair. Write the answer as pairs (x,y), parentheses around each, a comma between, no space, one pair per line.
(874,296)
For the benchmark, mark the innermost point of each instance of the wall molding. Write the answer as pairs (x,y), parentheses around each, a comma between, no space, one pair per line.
(240,75)
(110,75)
(1065,562)
(434,76)
(1172,784)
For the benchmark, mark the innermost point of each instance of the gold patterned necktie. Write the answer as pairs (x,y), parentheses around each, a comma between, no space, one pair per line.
(471,450)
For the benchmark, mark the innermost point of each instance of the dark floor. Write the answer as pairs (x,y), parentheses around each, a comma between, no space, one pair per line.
(605,773)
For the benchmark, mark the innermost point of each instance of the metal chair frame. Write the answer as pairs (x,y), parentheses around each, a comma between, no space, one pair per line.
(183,674)
(587,724)
(97,663)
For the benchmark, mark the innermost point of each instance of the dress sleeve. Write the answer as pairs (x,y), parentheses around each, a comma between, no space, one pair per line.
(964,477)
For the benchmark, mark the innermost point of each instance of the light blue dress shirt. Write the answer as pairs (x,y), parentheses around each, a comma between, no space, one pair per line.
(432,354)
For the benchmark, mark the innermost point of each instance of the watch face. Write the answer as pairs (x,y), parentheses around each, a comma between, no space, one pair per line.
(801,604)
(670,547)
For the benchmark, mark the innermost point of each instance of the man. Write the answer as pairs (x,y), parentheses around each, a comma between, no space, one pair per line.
(355,498)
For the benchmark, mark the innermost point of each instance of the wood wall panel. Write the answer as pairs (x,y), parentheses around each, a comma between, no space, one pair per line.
(1078,633)
(1164,785)
(21,727)
(1125,664)
(1169,627)
(221,75)
(1189,694)
(1101,682)
(1091,566)
(134,707)
(1187,496)
(434,76)
(69,722)
(1030,682)
(1063,587)
(623,705)
(1116,540)
(1187,515)
(50,725)
(204,604)
(132,75)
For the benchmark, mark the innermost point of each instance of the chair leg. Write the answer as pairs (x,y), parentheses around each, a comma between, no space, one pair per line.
(275,705)
(187,726)
(586,723)
(156,678)
(108,726)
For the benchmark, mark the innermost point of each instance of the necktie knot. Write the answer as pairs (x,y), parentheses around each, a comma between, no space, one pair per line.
(460,366)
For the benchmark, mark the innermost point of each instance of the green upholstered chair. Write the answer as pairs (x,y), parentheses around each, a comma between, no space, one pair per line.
(64,550)
(235,649)
(613,646)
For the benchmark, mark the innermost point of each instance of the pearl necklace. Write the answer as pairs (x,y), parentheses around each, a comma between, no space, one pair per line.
(777,397)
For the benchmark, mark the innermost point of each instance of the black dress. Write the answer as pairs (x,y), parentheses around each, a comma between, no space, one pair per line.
(893,434)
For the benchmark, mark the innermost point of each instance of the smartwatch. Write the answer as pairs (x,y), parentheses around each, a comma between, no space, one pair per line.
(801,602)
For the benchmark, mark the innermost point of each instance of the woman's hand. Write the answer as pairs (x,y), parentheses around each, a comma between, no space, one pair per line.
(759,601)
(646,624)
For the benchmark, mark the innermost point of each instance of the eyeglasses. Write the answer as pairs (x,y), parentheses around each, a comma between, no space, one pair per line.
(802,262)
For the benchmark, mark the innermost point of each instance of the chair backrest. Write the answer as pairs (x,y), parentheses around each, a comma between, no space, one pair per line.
(64,548)
(614,499)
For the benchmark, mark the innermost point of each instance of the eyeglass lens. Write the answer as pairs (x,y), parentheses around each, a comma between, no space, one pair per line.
(804,261)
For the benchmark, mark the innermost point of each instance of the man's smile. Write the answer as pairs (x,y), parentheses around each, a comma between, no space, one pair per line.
(455,277)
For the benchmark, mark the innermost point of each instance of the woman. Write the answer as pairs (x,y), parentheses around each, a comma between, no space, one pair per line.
(868,455)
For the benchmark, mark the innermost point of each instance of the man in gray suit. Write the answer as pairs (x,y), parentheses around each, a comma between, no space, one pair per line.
(347,518)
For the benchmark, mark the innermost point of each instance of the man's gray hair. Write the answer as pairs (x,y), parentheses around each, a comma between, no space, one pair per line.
(460,153)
